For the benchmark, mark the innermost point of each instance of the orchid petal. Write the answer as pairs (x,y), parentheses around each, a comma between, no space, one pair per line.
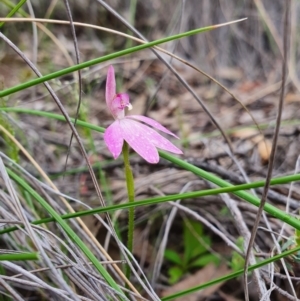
(110,91)
(118,105)
(135,136)
(157,139)
(113,138)
(123,99)
(151,122)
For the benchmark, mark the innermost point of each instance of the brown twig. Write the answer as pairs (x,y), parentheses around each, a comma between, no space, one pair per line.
(286,32)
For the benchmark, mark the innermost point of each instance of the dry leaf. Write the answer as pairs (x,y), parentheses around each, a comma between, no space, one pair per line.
(264,146)
(92,223)
(264,149)
(248,86)
(206,274)
(245,133)
(142,247)
(229,73)
(228,297)
(138,105)
(291,97)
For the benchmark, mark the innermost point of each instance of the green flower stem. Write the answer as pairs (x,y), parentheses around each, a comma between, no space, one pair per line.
(130,192)
(13,11)
(69,231)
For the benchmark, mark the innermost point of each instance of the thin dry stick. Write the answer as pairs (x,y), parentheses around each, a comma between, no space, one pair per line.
(63,266)
(274,147)
(260,7)
(67,204)
(13,293)
(79,74)
(280,291)
(245,233)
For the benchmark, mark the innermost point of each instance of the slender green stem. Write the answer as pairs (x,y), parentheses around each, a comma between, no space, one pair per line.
(19,256)
(14,10)
(132,11)
(130,192)
(294,222)
(91,126)
(104,58)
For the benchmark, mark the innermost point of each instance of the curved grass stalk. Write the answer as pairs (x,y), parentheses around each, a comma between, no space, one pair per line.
(15,8)
(38,20)
(294,222)
(104,58)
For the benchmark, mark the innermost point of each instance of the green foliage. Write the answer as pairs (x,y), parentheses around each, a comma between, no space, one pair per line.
(297,237)
(12,150)
(195,251)
(237,261)
(294,259)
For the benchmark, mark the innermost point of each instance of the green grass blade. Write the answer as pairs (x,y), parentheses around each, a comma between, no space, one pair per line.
(13,11)
(19,256)
(294,222)
(106,58)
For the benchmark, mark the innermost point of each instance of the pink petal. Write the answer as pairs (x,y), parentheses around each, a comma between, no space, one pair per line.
(151,122)
(110,90)
(158,140)
(134,135)
(118,105)
(123,99)
(113,138)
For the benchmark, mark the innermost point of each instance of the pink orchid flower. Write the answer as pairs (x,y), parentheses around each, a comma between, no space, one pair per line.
(143,139)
